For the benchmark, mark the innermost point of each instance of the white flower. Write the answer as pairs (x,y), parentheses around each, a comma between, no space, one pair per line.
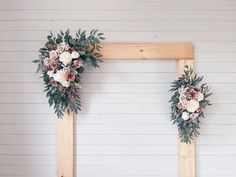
(60,76)
(185,115)
(50,73)
(192,105)
(46,61)
(65,58)
(200,96)
(75,54)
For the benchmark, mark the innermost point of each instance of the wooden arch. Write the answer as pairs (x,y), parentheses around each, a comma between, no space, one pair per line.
(183,53)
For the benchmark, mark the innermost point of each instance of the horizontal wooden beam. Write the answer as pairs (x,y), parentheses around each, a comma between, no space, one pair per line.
(147,51)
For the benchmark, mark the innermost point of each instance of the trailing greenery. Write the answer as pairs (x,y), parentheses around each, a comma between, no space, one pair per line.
(61,63)
(188,103)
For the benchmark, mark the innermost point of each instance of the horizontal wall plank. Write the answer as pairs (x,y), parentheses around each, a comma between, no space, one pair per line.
(118,98)
(120,77)
(112,88)
(112,129)
(111,119)
(201,57)
(123,4)
(129,67)
(126,36)
(103,25)
(111,108)
(115,15)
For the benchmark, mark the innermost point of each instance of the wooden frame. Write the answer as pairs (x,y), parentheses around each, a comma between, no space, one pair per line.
(183,53)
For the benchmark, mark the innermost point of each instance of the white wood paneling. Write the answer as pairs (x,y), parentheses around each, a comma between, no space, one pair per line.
(123,129)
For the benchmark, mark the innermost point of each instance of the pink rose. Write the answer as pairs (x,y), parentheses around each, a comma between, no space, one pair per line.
(53,54)
(78,63)
(192,94)
(199,110)
(70,76)
(54,83)
(182,105)
(53,64)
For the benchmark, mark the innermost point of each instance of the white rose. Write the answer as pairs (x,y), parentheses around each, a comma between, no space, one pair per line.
(60,76)
(192,105)
(185,115)
(65,58)
(50,73)
(75,54)
(200,96)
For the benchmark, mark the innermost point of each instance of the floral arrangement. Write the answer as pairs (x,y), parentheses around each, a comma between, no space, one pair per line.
(188,103)
(62,61)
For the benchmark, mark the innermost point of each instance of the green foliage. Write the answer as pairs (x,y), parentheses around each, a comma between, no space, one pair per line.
(88,46)
(188,129)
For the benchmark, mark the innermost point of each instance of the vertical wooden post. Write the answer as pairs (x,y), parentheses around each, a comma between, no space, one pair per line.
(65,161)
(187,153)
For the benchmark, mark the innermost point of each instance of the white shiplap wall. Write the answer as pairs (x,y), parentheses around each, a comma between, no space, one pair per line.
(124,128)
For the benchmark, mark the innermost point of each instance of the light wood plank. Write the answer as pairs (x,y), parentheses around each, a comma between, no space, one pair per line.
(65,145)
(187,152)
(147,51)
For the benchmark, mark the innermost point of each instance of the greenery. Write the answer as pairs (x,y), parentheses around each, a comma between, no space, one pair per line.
(87,47)
(187,84)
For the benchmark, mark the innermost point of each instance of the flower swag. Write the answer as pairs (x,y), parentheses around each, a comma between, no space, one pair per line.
(188,103)
(61,62)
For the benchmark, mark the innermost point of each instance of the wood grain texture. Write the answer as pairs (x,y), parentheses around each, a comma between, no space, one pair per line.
(187,157)
(65,143)
(146,51)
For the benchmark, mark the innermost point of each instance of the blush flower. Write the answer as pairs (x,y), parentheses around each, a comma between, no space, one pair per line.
(46,62)
(54,83)
(192,94)
(78,63)
(181,105)
(199,110)
(70,76)
(53,64)
(53,54)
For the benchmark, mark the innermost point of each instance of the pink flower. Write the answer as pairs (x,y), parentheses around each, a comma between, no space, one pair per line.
(53,64)
(46,62)
(192,94)
(78,63)
(54,83)
(45,68)
(70,76)
(182,105)
(53,54)
(199,110)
